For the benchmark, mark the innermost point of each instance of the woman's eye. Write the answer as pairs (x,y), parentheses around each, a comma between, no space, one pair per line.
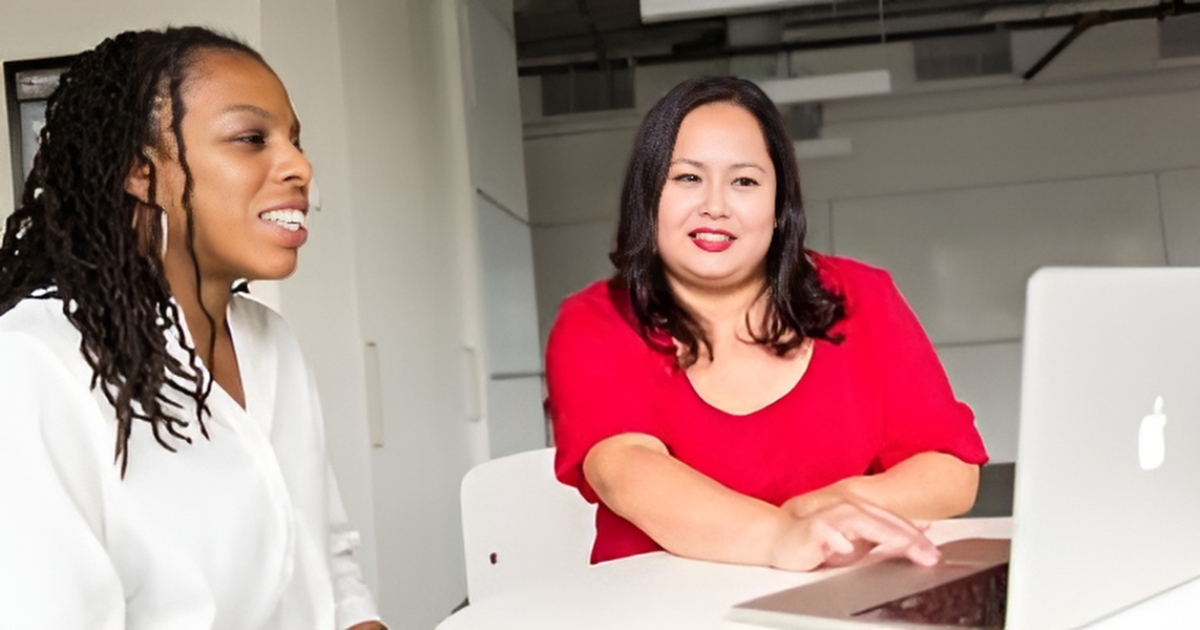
(744,181)
(686,177)
(252,138)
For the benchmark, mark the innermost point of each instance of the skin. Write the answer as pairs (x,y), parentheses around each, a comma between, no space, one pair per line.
(243,148)
(721,178)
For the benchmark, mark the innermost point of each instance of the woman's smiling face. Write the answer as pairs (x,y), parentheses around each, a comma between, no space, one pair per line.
(250,179)
(716,212)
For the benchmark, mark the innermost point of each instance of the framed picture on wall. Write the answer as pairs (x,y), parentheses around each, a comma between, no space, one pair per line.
(28,84)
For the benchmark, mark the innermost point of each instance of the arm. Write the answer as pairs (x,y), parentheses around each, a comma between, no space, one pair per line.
(928,461)
(351,596)
(926,486)
(55,458)
(354,608)
(693,516)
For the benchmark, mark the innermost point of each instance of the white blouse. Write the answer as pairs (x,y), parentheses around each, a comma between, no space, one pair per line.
(244,529)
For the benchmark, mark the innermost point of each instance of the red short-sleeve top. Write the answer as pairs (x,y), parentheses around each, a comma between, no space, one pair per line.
(865,404)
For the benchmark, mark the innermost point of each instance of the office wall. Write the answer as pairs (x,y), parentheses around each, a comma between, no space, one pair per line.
(511,361)
(409,185)
(959,188)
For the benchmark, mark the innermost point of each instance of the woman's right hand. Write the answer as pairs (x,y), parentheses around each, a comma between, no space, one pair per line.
(842,533)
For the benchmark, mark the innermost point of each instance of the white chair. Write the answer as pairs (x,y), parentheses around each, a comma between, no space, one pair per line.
(521,524)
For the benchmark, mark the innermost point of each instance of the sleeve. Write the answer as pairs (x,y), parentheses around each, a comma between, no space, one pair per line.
(920,411)
(56,570)
(352,598)
(598,386)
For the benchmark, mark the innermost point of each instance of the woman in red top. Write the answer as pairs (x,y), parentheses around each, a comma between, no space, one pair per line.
(730,396)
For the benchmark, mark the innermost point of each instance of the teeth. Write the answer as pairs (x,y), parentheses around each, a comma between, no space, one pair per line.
(290,219)
(712,236)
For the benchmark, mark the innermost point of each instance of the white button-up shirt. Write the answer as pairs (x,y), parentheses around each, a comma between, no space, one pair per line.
(242,529)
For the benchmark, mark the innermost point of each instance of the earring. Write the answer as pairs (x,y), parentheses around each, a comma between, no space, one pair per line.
(162,220)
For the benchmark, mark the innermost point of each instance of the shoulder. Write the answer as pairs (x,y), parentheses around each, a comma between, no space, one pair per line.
(600,307)
(38,317)
(41,323)
(861,285)
(849,276)
(595,322)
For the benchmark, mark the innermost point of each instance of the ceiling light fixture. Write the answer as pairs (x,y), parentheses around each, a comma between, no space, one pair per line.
(662,10)
(827,87)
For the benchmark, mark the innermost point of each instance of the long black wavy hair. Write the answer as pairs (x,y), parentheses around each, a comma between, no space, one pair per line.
(80,237)
(799,306)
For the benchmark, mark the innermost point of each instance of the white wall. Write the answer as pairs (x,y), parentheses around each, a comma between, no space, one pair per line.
(961,189)
(512,359)
(410,198)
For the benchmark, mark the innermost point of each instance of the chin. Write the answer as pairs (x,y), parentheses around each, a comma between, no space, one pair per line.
(280,271)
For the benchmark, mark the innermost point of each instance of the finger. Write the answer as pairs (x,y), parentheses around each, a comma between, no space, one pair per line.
(834,542)
(895,538)
(861,549)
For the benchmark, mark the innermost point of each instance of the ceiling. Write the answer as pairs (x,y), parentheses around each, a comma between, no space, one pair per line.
(552,34)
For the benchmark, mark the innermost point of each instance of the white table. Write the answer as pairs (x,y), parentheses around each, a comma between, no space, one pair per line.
(659,591)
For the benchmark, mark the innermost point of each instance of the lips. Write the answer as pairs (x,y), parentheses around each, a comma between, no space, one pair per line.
(288,221)
(712,240)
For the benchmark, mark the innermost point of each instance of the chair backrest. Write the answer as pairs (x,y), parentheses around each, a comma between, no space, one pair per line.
(521,524)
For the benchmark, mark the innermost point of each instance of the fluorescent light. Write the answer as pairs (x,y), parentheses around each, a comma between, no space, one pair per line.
(827,87)
(659,10)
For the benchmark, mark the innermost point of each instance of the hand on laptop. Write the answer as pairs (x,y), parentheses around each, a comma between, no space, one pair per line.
(838,533)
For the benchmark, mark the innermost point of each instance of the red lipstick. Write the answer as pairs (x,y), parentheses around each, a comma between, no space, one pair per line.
(712,239)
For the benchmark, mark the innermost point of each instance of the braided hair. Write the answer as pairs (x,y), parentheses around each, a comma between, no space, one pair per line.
(79,236)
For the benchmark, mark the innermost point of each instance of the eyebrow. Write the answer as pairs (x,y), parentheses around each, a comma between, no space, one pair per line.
(258,111)
(699,164)
(253,109)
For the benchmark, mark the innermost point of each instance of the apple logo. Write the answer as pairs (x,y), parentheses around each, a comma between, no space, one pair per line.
(1151,448)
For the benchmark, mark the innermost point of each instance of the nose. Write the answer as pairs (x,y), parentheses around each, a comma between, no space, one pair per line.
(713,203)
(294,167)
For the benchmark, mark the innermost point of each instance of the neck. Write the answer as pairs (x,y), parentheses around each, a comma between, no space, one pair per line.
(210,301)
(723,312)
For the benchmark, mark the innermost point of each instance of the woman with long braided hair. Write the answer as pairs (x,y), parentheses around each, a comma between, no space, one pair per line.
(161,444)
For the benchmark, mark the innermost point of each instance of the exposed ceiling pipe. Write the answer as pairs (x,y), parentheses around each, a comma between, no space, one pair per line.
(1098,18)
(1085,22)
(712,27)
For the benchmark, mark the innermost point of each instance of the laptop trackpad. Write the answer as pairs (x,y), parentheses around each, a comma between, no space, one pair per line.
(966,589)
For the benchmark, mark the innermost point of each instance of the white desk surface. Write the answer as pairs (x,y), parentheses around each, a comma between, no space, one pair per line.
(659,591)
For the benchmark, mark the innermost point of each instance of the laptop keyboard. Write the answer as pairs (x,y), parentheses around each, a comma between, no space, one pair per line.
(975,601)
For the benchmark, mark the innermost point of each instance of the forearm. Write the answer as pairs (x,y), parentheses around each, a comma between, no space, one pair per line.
(686,512)
(926,486)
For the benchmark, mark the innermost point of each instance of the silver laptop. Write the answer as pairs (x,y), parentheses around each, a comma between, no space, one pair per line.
(1106,507)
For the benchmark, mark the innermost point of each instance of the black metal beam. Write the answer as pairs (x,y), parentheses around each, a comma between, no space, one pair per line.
(1098,18)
